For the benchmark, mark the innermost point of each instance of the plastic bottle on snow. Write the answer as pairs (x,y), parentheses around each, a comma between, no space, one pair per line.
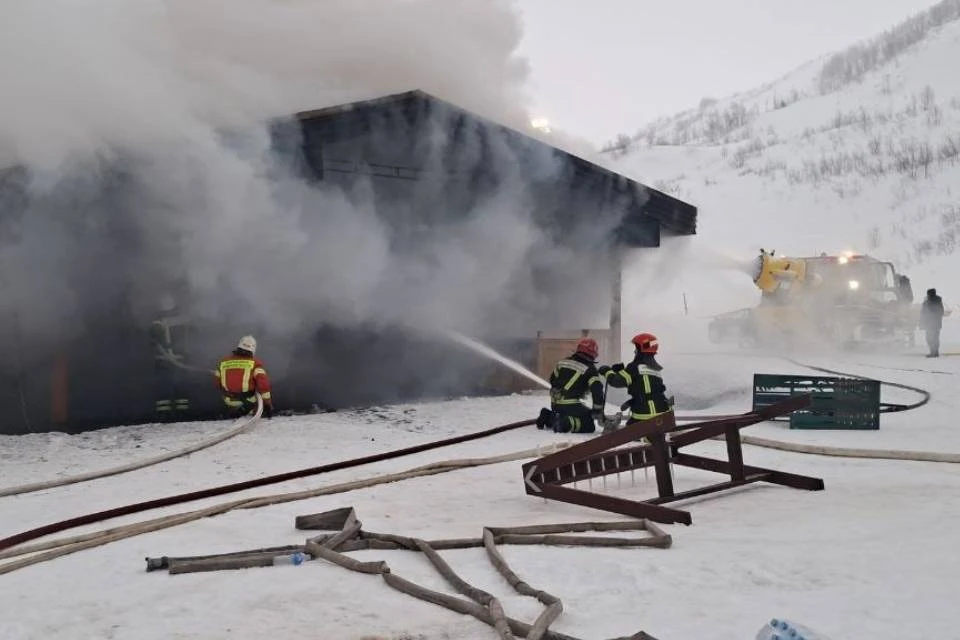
(778,629)
(296,558)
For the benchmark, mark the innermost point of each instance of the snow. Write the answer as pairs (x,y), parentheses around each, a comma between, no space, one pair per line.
(845,561)
(874,555)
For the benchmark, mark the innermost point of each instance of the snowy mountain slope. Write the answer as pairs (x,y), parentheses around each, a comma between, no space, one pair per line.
(824,159)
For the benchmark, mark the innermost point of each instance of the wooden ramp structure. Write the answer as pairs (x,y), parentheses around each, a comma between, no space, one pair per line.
(622,451)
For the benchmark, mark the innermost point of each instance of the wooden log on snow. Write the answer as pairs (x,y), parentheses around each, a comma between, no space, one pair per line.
(500,564)
(571,527)
(350,531)
(465,607)
(578,541)
(335,520)
(553,605)
(163,562)
(657,532)
(223,563)
(400,541)
(338,558)
(455,543)
(467,589)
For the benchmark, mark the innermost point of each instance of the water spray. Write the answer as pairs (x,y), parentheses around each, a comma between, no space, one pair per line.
(484,350)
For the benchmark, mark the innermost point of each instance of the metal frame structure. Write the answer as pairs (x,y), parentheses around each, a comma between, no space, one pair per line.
(606,455)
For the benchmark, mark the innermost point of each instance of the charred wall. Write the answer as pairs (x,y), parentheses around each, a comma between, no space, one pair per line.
(420,163)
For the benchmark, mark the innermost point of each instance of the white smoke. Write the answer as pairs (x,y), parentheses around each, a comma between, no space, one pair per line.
(132,99)
(84,75)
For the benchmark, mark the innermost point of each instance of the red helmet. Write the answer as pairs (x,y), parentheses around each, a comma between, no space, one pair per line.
(589,347)
(646,343)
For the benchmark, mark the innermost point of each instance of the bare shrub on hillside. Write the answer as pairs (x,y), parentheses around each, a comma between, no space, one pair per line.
(752,149)
(719,124)
(670,187)
(949,151)
(620,146)
(946,237)
(886,88)
(912,158)
(875,144)
(928,98)
(772,167)
(950,217)
(781,102)
(853,63)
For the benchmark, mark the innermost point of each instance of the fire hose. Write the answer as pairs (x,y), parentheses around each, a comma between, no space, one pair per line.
(242,425)
(157,503)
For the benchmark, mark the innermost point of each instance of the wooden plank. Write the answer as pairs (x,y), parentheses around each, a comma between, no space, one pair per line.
(772,476)
(628,434)
(634,509)
(713,488)
(735,454)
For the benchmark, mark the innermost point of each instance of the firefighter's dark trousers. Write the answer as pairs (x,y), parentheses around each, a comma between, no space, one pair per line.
(240,404)
(170,398)
(933,340)
(573,418)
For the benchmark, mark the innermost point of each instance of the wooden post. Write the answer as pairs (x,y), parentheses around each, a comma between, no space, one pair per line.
(616,308)
(735,454)
(60,390)
(661,464)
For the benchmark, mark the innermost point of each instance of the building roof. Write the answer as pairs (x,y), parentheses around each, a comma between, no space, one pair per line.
(410,108)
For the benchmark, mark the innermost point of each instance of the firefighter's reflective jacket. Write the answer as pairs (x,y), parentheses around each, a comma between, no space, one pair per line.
(572,378)
(643,382)
(241,375)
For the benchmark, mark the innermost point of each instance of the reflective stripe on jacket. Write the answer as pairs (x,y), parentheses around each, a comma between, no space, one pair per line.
(572,378)
(237,374)
(648,394)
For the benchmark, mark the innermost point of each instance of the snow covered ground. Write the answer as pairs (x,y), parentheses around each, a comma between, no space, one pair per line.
(872,556)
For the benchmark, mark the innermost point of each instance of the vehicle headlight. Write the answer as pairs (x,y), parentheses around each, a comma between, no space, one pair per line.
(854,285)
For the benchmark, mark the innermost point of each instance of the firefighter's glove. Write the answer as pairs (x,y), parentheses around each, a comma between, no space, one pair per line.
(617,368)
(603,370)
(671,400)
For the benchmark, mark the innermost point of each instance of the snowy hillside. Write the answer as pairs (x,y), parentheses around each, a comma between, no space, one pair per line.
(855,151)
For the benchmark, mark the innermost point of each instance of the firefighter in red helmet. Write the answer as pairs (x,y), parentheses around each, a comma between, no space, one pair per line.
(642,380)
(572,379)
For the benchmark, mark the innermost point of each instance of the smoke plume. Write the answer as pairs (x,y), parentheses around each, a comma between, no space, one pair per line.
(122,177)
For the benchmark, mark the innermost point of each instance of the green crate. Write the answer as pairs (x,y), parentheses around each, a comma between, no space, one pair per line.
(836,403)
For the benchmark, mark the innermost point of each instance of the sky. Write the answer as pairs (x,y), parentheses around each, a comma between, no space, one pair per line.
(603,67)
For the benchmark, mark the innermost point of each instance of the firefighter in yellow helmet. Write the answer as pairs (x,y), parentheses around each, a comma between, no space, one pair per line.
(642,379)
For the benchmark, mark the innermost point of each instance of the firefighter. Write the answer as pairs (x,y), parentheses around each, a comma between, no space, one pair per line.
(240,376)
(573,378)
(642,380)
(168,335)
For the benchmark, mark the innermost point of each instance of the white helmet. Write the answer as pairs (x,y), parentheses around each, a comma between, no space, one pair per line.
(248,343)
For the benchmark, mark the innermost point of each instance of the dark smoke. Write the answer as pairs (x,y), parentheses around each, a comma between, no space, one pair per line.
(142,154)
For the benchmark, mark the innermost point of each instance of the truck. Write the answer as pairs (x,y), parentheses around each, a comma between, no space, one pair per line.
(846,300)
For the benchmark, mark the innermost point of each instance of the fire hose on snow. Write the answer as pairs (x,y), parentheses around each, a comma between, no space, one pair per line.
(242,425)
(157,503)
